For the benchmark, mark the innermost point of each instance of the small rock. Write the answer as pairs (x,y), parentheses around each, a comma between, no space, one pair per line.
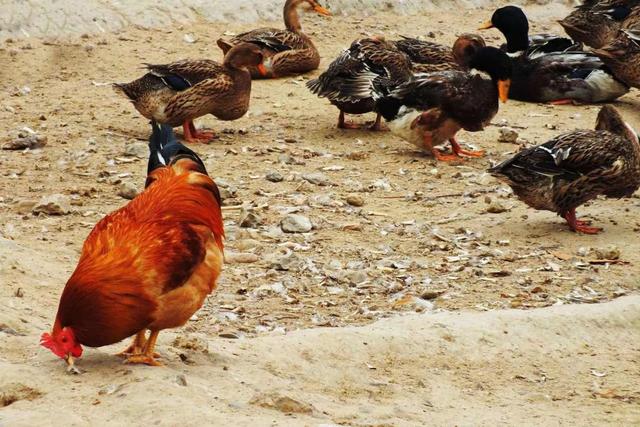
(127,191)
(137,149)
(55,204)
(189,38)
(181,380)
(508,135)
(240,257)
(317,178)
(274,177)
(583,251)
(608,252)
(496,207)
(23,141)
(355,200)
(281,403)
(296,224)
(250,219)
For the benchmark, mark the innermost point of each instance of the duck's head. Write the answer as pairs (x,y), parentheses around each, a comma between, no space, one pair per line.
(243,55)
(466,46)
(513,23)
(306,4)
(611,120)
(497,65)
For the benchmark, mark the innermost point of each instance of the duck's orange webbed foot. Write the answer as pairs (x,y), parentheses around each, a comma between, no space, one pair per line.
(564,101)
(343,124)
(460,151)
(378,126)
(580,226)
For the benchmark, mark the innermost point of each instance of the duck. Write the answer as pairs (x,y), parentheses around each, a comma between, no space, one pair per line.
(596,23)
(286,52)
(370,65)
(622,56)
(430,57)
(431,108)
(541,74)
(179,92)
(514,25)
(573,168)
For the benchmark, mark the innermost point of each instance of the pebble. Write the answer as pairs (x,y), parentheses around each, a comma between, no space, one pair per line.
(294,223)
(317,178)
(496,207)
(127,191)
(274,177)
(23,141)
(54,204)
(137,149)
(508,135)
(284,404)
(240,257)
(181,380)
(250,219)
(608,252)
(355,200)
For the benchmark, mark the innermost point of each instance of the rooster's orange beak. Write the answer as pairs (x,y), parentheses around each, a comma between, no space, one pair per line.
(503,89)
(321,10)
(486,26)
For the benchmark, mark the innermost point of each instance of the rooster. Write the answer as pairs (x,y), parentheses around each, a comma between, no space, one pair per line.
(147,266)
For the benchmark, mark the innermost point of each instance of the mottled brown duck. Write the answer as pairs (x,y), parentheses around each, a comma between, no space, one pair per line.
(179,92)
(431,108)
(428,57)
(369,66)
(285,52)
(576,167)
(596,22)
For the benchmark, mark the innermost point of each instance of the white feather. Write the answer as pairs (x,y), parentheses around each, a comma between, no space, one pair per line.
(401,126)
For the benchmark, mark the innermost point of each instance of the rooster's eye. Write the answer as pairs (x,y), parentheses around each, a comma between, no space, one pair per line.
(64,339)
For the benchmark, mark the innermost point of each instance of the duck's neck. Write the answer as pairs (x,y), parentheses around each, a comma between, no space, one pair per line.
(517,42)
(291,17)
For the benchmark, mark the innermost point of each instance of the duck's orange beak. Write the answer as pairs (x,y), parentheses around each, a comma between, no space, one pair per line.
(262,70)
(486,25)
(503,89)
(321,10)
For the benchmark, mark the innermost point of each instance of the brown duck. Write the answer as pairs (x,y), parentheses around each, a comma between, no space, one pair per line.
(596,22)
(286,52)
(431,108)
(428,57)
(622,55)
(370,65)
(179,92)
(576,167)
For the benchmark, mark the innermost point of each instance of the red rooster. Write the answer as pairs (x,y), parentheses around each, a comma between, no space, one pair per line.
(148,265)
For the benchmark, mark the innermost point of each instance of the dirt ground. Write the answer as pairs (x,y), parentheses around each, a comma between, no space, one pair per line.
(423,240)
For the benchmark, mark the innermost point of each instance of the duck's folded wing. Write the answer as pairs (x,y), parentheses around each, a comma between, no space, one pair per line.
(184,74)
(273,39)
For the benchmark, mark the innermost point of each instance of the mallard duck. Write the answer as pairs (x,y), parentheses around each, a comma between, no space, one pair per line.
(622,56)
(576,167)
(596,22)
(560,77)
(514,25)
(286,52)
(368,66)
(181,91)
(428,57)
(431,108)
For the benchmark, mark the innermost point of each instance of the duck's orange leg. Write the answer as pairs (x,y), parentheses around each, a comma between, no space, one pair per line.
(459,150)
(579,226)
(343,124)
(564,101)
(378,126)
(203,136)
(428,145)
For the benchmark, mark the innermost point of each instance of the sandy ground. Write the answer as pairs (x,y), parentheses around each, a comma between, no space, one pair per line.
(423,241)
